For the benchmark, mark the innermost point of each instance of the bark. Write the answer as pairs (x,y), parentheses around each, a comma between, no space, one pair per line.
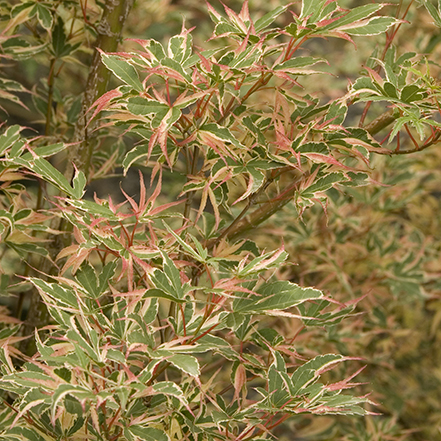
(381,122)
(109,34)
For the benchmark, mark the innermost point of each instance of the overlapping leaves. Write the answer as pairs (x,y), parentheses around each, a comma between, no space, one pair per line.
(148,301)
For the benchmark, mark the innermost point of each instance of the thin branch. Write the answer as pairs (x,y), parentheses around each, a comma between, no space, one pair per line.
(263,81)
(434,141)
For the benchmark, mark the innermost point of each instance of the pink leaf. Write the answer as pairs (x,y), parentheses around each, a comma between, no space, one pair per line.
(102,102)
(320,158)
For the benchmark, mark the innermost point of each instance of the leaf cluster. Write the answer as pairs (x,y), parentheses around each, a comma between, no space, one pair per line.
(164,317)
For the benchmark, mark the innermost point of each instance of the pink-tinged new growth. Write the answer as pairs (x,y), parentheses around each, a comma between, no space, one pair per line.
(266,234)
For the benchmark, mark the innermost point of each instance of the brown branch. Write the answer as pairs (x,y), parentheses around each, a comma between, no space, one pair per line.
(242,224)
(109,34)
(380,123)
(264,212)
(434,141)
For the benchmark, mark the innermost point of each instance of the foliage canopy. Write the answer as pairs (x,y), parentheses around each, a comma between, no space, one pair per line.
(129,313)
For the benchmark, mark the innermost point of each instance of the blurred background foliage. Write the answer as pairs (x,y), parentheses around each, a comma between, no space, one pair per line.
(381,242)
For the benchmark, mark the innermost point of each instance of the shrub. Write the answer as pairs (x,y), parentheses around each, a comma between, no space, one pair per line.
(137,309)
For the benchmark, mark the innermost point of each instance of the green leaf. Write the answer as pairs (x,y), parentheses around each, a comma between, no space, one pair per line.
(433,11)
(143,106)
(136,154)
(58,38)
(168,280)
(186,363)
(111,242)
(123,70)
(148,433)
(200,257)
(375,26)
(94,209)
(307,373)
(311,8)
(169,388)
(275,296)
(19,8)
(22,249)
(336,113)
(174,65)
(24,433)
(49,173)
(315,310)
(106,275)
(75,337)
(66,296)
(390,90)
(86,276)
(221,133)
(79,182)
(166,121)
(45,151)
(77,391)
(158,293)
(23,50)
(156,49)
(411,93)
(8,139)
(273,259)
(44,16)
(263,22)
(277,384)
(246,58)
(180,47)
(323,184)
(364,83)
(313,147)
(151,312)
(117,356)
(354,15)
(299,62)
